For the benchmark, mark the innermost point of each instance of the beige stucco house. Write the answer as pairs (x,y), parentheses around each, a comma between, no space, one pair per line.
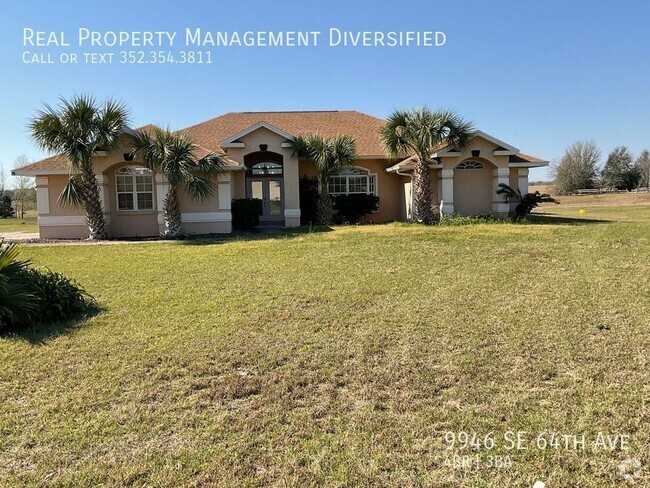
(260,164)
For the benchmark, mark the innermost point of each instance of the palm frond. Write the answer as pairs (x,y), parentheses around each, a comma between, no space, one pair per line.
(329,155)
(173,154)
(198,187)
(72,194)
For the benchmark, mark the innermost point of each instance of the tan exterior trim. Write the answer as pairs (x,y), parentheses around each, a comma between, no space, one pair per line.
(447,190)
(522,180)
(231,140)
(42,195)
(60,220)
(195,217)
(499,206)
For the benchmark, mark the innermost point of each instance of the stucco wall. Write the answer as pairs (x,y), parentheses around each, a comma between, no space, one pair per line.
(290,177)
(473,190)
(211,215)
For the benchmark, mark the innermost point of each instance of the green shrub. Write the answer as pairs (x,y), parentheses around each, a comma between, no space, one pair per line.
(6,210)
(58,297)
(455,220)
(246,213)
(30,296)
(350,208)
(308,201)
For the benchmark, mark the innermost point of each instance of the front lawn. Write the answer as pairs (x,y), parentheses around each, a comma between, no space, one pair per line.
(27,224)
(342,358)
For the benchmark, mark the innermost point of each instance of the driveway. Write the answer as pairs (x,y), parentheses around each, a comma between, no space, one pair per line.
(19,236)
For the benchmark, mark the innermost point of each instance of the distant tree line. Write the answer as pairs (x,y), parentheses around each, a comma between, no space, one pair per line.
(580,168)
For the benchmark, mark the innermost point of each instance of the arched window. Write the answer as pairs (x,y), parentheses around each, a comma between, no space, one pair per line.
(266,168)
(134,188)
(471,165)
(353,180)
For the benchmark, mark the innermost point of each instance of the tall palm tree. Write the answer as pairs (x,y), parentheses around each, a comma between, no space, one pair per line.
(330,155)
(76,128)
(420,132)
(174,155)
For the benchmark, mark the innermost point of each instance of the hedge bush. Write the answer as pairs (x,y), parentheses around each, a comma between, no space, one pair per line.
(31,296)
(246,213)
(308,201)
(350,208)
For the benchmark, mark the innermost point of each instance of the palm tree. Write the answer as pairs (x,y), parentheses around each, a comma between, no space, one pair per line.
(330,155)
(77,128)
(527,202)
(174,155)
(421,132)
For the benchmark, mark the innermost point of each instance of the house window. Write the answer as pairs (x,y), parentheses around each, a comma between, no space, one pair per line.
(134,189)
(266,168)
(353,180)
(471,165)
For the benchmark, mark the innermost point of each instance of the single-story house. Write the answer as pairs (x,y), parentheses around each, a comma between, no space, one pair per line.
(261,164)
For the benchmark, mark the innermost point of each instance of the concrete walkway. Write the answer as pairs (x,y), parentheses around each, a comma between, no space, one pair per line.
(19,236)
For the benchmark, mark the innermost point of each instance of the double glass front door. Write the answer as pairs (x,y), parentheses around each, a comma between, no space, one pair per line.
(269,190)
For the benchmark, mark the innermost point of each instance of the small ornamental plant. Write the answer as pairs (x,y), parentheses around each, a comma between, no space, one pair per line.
(36,296)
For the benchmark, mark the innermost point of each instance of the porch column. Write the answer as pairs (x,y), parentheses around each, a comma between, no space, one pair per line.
(291,190)
(447,190)
(42,196)
(499,205)
(522,174)
(104,196)
(161,190)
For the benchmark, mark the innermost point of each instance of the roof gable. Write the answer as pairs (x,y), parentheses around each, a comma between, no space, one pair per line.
(233,141)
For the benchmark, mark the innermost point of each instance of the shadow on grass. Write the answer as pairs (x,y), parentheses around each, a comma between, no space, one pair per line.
(41,334)
(257,234)
(554,219)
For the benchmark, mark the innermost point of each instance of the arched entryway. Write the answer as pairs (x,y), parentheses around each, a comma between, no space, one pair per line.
(265,181)
(473,187)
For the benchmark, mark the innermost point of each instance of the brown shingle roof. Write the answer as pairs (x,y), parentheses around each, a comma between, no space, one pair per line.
(60,162)
(525,158)
(364,128)
(56,162)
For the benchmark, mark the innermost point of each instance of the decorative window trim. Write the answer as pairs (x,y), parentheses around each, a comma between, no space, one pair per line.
(134,192)
(470,164)
(351,173)
(267,168)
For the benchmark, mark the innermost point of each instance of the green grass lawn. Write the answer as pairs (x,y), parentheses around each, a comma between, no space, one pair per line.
(341,358)
(18,225)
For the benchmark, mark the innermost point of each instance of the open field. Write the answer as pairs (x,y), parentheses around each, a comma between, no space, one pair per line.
(341,358)
(18,225)
(601,199)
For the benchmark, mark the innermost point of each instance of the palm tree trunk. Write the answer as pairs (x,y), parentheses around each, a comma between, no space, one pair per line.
(423,210)
(97,228)
(325,210)
(172,214)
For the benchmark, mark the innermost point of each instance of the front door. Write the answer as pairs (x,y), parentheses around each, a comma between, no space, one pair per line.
(269,190)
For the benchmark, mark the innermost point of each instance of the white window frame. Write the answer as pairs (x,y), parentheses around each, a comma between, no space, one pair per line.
(134,192)
(470,165)
(369,176)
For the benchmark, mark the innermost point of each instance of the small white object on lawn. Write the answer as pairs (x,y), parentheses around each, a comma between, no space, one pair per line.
(539,484)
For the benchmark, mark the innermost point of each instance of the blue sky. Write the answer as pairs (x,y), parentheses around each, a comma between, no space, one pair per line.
(539,75)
